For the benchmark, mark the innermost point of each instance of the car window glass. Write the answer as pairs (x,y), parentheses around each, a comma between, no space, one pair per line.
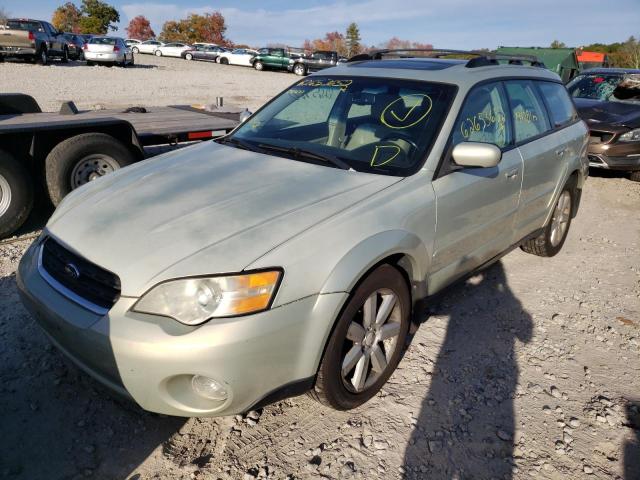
(527,111)
(103,41)
(560,105)
(263,51)
(484,117)
(594,86)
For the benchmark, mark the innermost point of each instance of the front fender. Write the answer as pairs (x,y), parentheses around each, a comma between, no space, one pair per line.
(351,268)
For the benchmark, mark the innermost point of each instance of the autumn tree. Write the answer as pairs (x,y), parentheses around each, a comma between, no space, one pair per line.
(353,40)
(630,53)
(395,43)
(66,18)
(98,17)
(209,28)
(332,41)
(558,44)
(140,28)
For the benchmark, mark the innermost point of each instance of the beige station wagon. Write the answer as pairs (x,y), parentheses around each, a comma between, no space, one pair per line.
(293,254)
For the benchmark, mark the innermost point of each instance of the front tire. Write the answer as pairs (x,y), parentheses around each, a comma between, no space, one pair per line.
(81,159)
(258,66)
(43,56)
(157,53)
(188,56)
(16,194)
(224,61)
(135,50)
(367,342)
(551,240)
(299,69)
(65,56)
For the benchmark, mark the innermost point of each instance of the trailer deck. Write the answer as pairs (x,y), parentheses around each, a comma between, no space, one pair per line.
(159,125)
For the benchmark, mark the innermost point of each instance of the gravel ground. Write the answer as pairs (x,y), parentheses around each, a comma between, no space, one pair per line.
(528,370)
(152,81)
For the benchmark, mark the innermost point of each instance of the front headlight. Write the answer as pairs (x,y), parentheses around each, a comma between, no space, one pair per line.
(195,300)
(632,136)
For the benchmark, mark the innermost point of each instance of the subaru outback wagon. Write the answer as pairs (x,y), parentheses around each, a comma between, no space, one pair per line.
(293,254)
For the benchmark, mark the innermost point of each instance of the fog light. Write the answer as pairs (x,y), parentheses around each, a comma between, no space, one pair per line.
(209,388)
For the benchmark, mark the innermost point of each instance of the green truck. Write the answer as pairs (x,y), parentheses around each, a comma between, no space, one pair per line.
(274,59)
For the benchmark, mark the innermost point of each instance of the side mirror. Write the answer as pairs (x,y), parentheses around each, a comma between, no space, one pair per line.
(244,115)
(474,154)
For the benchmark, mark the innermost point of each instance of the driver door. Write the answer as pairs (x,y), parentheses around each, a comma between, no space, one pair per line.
(476,207)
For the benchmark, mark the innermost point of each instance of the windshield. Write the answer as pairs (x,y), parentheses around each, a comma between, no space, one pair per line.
(378,125)
(594,86)
(103,41)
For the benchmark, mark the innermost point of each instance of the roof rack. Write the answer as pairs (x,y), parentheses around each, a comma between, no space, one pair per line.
(480,58)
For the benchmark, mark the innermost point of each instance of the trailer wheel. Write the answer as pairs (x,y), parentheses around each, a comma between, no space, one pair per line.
(16,194)
(81,159)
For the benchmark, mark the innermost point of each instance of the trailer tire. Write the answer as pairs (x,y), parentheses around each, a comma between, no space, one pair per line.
(16,194)
(80,159)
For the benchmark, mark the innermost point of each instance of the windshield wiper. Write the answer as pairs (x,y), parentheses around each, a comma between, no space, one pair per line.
(301,152)
(241,143)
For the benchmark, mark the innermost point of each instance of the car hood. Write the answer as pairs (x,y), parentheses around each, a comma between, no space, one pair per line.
(202,210)
(604,114)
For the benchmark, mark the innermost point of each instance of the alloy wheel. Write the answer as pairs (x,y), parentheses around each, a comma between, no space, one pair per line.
(560,219)
(371,340)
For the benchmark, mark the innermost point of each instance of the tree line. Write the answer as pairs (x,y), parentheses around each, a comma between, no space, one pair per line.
(620,54)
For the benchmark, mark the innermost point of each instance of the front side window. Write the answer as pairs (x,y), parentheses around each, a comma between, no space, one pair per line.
(484,117)
(527,110)
(560,105)
(384,126)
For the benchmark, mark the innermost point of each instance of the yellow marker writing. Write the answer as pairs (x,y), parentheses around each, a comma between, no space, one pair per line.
(388,111)
(388,160)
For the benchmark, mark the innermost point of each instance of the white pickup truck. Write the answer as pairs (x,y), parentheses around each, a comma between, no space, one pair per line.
(34,40)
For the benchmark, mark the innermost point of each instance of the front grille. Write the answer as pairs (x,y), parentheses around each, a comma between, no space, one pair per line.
(81,277)
(600,137)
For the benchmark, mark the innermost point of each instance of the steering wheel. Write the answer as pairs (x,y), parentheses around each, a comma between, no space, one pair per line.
(400,136)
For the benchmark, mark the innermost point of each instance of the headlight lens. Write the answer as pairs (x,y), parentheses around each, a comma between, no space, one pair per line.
(195,300)
(632,136)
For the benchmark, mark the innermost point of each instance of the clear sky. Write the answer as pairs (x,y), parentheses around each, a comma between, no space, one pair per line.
(461,24)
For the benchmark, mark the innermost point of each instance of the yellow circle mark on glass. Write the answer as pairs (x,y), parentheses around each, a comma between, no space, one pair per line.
(405,118)
(388,160)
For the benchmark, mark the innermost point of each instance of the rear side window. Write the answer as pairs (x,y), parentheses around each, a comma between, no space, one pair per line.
(527,110)
(484,117)
(560,105)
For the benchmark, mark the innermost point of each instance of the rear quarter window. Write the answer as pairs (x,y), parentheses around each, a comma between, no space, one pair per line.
(559,103)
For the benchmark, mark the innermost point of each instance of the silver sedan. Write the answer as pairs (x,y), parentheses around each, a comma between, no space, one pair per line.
(110,50)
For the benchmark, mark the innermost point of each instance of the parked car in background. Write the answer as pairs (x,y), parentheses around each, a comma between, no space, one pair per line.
(173,49)
(318,60)
(204,44)
(131,42)
(75,44)
(203,52)
(272,58)
(239,56)
(108,50)
(294,253)
(608,100)
(32,40)
(148,47)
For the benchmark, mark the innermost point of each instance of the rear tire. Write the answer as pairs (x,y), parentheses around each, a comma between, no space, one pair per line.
(43,56)
(357,344)
(551,240)
(16,194)
(188,56)
(157,53)
(65,56)
(90,63)
(635,176)
(224,61)
(81,159)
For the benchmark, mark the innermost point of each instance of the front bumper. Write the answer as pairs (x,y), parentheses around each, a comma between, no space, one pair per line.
(152,359)
(631,162)
(104,57)
(614,155)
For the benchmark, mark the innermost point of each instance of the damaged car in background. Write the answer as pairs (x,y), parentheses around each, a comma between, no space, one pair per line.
(608,99)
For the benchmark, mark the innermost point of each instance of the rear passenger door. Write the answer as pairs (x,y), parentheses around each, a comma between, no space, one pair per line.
(476,207)
(542,148)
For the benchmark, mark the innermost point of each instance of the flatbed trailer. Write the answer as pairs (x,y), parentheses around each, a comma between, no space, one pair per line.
(54,153)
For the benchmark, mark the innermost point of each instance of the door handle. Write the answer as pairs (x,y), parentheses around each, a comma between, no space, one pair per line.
(561,152)
(511,173)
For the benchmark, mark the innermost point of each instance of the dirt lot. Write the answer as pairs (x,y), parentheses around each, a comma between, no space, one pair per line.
(529,370)
(152,81)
